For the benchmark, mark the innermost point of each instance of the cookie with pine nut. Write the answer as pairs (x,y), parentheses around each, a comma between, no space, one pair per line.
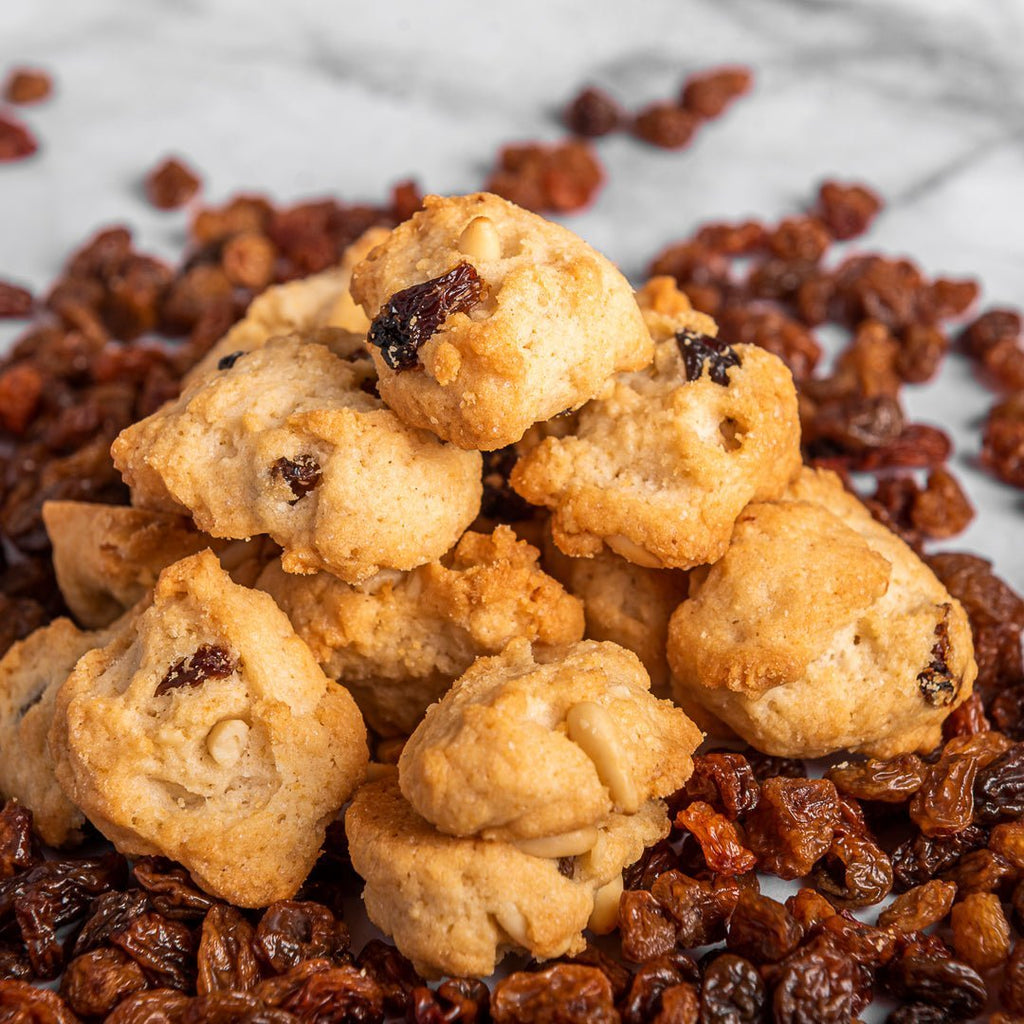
(661,464)
(399,640)
(108,557)
(532,744)
(821,630)
(205,732)
(31,673)
(487,318)
(286,442)
(319,305)
(457,906)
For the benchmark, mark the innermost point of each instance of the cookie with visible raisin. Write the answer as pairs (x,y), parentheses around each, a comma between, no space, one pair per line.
(399,640)
(661,464)
(457,906)
(820,630)
(31,673)
(319,305)
(205,732)
(286,442)
(487,319)
(532,745)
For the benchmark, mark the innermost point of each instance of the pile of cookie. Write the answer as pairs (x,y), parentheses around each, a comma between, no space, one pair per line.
(537,673)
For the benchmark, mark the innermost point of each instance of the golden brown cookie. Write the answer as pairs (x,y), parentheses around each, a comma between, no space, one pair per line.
(487,319)
(285,442)
(457,906)
(820,630)
(532,744)
(206,732)
(663,461)
(318,305)
(399,640)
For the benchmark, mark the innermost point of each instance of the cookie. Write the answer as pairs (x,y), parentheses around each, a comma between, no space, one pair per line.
(820,630)
(206,732)
(319,304)
(399,640)
(488,318)
(457,906)
(662,463)
(535,744)
(108,557)
(31,673)
(285,442)
(624,603)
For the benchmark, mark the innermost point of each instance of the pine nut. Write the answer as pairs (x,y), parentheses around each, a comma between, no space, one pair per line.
(480,239)
(604,918)
(227,741)
(566,844)
(592,729)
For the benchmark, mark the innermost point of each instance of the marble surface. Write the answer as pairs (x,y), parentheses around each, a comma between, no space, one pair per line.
(923,99)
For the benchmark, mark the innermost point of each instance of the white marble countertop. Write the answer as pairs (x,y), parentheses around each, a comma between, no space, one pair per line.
(924,100)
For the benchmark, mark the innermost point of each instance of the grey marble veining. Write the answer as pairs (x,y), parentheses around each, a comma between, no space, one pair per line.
(924,99)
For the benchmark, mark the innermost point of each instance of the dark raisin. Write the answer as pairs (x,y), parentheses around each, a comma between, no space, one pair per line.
(226,958)
(567,866)
(999,787)
(410,317)
(1012,991)
(917,1013)
(644,999)
(455,1001)
(645,928)
(698,349)
(499,500)
(936,682)
(302,474)
(948,984)
(724,780)
(762,929)
(698,910)
(593,113)
(918,860)
(855,872)
(226,362)
(93,984)
(164,949)
(161,1006)
(19,848)
(291,931)
(171,890)
(566,993)
(208,661)
(944,805)
(892,781)
(708,93)
(340,994)
(393,972)
(816,986)
(23,1003)
(920,907)
(653,862)
(108,914)
(666,125)
(732,992)
(171,184)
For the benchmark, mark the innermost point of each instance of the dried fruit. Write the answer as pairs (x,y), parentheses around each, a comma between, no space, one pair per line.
(171,890)
(566,993)
(593,113)
(292,931)
(700,911)
(948,984)
(708,93)
(171,184)
(393,972)
(724,780)
(698,349)
(652,983)
(732,992)
(981,934)
(16,141)
(19,849)
(665,125)
(226,959)
(762,930)
(920,907)
(999,787)
(456,1001)
(855,872)
(718,838)
(94,983)
(815,987)
(15,301)
(22,1002)
(208,661)
(645,928)
(27,85)
(919,859)
(944,805)
(411,316)
(561,178)
(847,210)
(892,781)
(164,949)
(302,474)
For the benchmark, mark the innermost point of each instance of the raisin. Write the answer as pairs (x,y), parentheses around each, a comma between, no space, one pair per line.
(815,987)
(698,349)
(917,1013)
(922,349)
(868,946)
(944,805)
(732,992)
(999,787)
(981,934)
(742,239)
(19,849)
(942,509)
(718,838)
(645,928)
(411,316)
(27,85)
(16,141)
(1008,841)
(1012,991)
(618,975)
(160,1006)
(698,910)
(164,949)
(340,993)
(171,890)
(981,871)
(566,993)
(809,908)
(248,260)
(947,984)
(94,983)
(649,985)
(762,930)
(793,824)
(562,178)
(302,474)
(22,1002)
(15,301)
(456,1001)
(990,329)
(920,859)
(767,765)
(226,362)
(855,872)
(393,972)
(109,913)
(291,931)
(920,907)
(936,682)
(708,93)
(724,780)
(892,781)
(593,113)
(847,210)
(226,958)
(799,239)
(665,125)
(171,184)
(208,661)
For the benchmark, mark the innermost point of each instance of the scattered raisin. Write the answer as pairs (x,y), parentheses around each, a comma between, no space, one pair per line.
(999,787)
(981,934)
(248,260)
(291,931)
(208,661)
(724,780)
(15,301)
(393,972)
(164,949)
(699,911)
(19,849)
(708,93)
(815,987)
(665,125)
(411,316)
(847,210)
(593,113)
(945,983)
(27,85)
(171,184)
(16,141)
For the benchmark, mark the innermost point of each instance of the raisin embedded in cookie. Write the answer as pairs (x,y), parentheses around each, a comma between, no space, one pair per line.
(206,732)
(399,640)
(820,630)
(318,305)
(530,744)
(457,906)
(31,673)
(661,464)
(486,319)
(286,442)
